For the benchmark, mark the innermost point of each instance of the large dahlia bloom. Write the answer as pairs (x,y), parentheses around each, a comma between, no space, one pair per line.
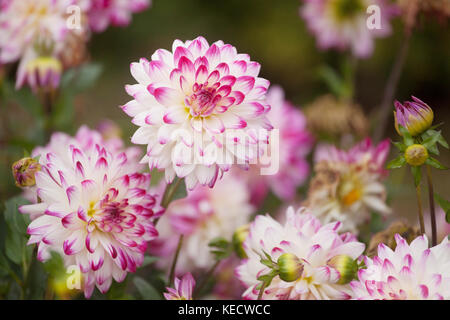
(342,24)
(202,216)
(36,32)
(347,184)
(94,208)
(103,13)
(292,146)
(313,243)
(200,109)
(410,272)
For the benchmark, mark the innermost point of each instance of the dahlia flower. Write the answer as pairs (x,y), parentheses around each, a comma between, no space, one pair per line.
(192,106)
(294,143)
(410,272)
(415,116)
(94,208)
(31,29)
(103,13)
(313,243)
(24,170)
(342,24)
(184,288)
(347,185)
(203,215)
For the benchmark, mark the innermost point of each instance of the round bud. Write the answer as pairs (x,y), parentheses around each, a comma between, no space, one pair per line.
(239,237)
(24,171)
(416,155)
(346,266)
(290,267)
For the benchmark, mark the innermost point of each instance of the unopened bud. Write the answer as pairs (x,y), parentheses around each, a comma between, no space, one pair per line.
(346,266)
(239,237)
(290,267)
(415,116)
(416,155)
(24,171)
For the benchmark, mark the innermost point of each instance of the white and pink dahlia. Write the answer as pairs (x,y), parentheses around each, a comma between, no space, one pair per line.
(313,243)
(203,215)
(200,109)
(94,209)
(292,145)
(102,13)
(343,24)
(410,272)
(348,184)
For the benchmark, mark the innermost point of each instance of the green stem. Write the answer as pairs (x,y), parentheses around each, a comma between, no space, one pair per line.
(391,87)
(175,259)
(432,208)
(419,204)
(205,279)
(168,194)
(261,291)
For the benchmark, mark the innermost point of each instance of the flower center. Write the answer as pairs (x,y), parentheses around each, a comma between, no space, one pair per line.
(349,192)
(346,9)
(202,102)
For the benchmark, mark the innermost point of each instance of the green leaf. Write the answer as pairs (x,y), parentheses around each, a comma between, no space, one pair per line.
(397,162)
(332,79)
(145,289)
(399,145)
(417,174)
(17,221)
(435,164)
(432,139)
(82,78)
(445,205)
(407,138)
(149,260)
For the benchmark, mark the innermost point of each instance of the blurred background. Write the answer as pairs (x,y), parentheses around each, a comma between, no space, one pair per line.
(274,35)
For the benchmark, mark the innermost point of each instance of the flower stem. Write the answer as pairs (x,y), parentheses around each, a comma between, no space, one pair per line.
(168,194)
(175,259)
(432,208)
(419,204)
(261,291)
(206,278)
(391,86)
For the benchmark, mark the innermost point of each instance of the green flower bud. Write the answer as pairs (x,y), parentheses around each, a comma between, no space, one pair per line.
(24,171)
(416,155)
(239,237)
(290,267)
(346,266)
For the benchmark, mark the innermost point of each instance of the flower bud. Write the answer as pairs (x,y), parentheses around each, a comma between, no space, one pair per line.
(239,237)
(346,266)
(415,116)
(41,72)
(416,155)
(24,171)
(290,267)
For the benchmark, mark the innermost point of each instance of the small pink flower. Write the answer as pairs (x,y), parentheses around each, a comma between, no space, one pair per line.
(342,24)
(184,288)
(415,116)
(103,13)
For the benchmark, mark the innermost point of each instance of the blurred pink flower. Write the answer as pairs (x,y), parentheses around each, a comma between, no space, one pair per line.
(313,243)
(184,288)
(342,24)
(410,272)
(202,216)
(34,32)
(200,109)
(102,13)
(442,227)
(294,144)
(347,184)
(94,209)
